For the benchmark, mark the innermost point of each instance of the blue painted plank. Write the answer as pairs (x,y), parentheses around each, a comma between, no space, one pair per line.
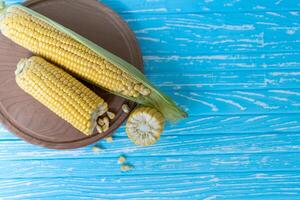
(166,63)
(237,102)
(194,6)
(168,145)
(215,33)
(179,164)
(208,186)
(246,79)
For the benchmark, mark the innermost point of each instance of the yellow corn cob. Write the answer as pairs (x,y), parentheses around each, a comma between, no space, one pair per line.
(83,58)
(61,93)
(44,40)
(144,126)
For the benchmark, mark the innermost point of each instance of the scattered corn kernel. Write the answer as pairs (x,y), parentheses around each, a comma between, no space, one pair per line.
(106,120)
(121,160)
(126,168)
(105,127)
(100,122)
(99,129)
(96,149)
(109,139)
(111,115)
(125,108)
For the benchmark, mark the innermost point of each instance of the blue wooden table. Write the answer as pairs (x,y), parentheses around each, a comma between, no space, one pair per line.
(234,65)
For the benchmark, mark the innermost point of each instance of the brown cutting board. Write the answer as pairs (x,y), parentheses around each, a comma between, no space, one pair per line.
(32,121)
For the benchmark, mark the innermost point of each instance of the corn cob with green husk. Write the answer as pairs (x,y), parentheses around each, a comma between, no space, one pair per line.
(61,93)
(83,58)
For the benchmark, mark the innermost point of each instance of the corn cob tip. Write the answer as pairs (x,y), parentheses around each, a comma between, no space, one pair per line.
(21,66)
(102,109)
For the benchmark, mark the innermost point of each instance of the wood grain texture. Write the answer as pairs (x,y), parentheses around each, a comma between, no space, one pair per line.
(180,164)
(217,32)
(196,145)
(222,62)
(197,186)
(194,6)
(234,66)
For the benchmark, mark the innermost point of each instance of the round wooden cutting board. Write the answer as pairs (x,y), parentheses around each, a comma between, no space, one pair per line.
(32,121)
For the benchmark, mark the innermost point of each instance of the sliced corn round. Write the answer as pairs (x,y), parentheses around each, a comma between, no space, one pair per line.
(144,126)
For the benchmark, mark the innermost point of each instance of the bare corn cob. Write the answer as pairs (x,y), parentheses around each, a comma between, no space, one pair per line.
(61,93)
(83,58)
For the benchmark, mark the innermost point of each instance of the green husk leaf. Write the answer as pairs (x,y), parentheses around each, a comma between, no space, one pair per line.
(2,6)
(156,99)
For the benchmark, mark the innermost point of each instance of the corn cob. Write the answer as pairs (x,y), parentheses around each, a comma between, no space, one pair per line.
(83,58)
(144,126)
(44,40)
(61,93)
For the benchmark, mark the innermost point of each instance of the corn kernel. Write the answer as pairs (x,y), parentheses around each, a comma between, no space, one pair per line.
(96,149)
(121,160)
(111,115)
(126,168)
(125,108)
(109,139)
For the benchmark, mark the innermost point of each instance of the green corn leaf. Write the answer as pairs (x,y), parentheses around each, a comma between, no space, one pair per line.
(2,6)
